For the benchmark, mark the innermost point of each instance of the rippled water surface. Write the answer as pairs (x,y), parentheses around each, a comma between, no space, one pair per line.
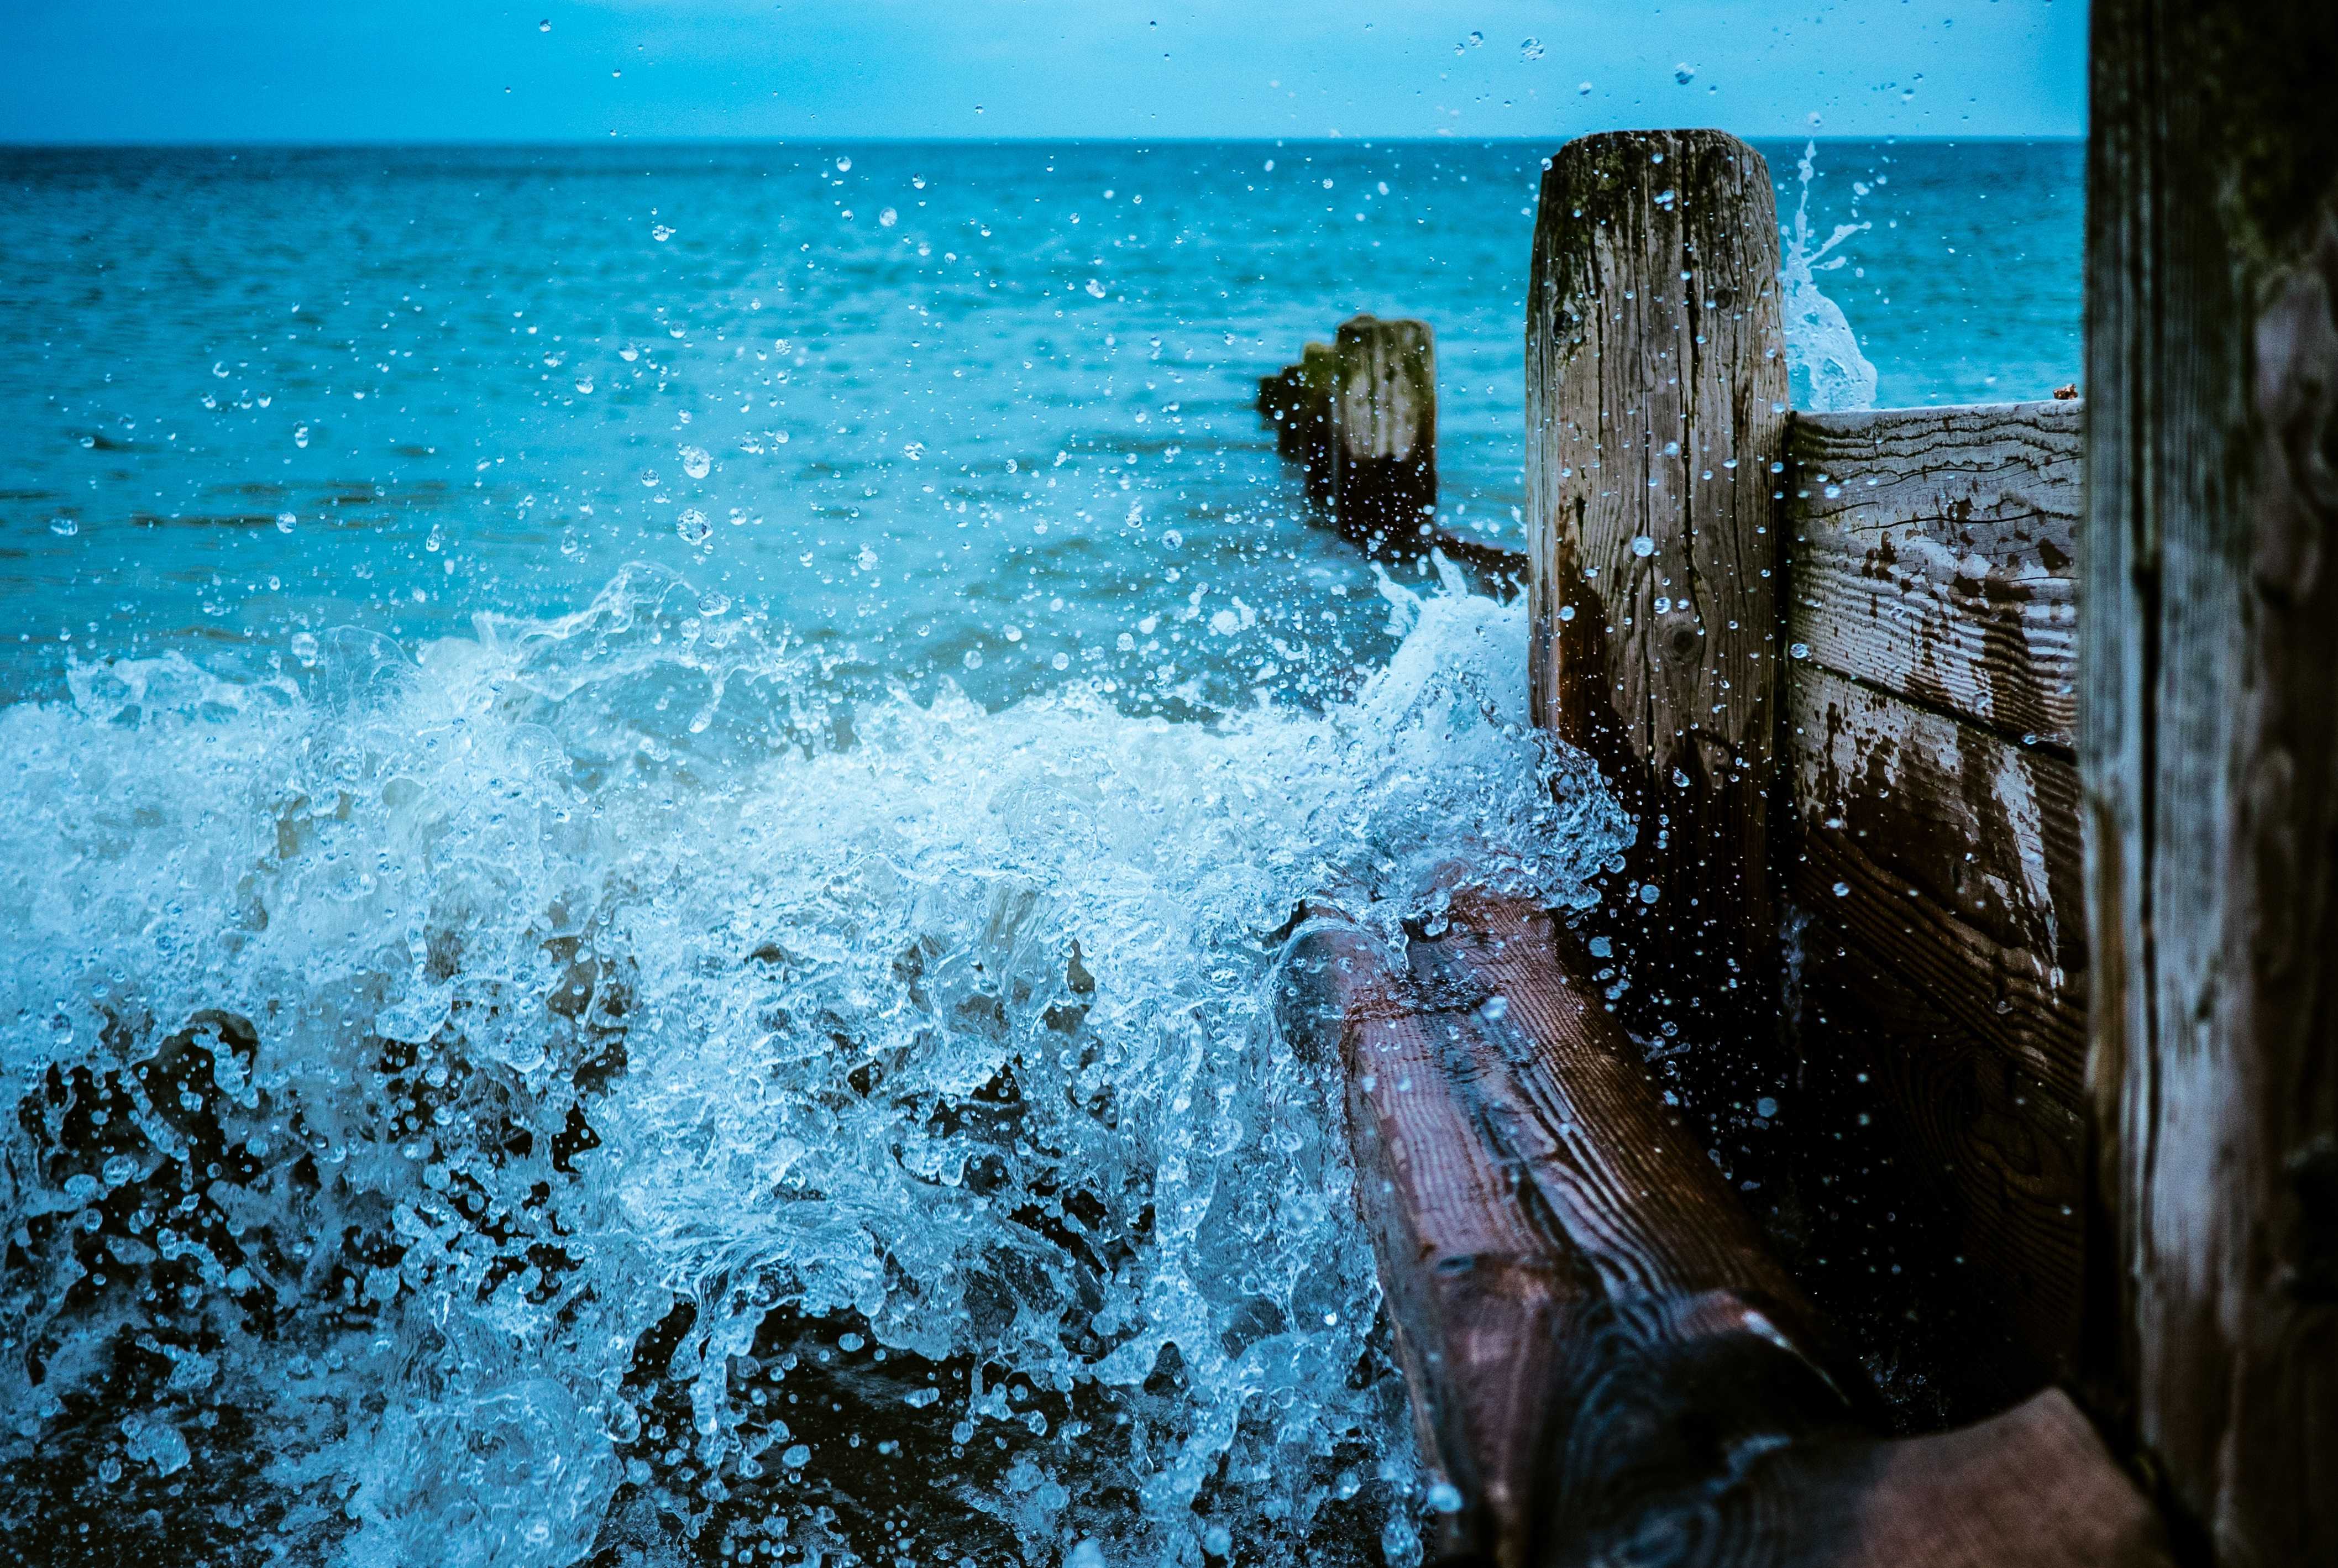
(649,795)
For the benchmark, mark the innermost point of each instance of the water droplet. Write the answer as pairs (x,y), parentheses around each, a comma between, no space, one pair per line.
(844,165)
(1532,49)
(1567,611)
(63,527)
(304,647)
(1585,88)
(1095,289)
(299,436)
(796,1457)
(973,662)
(1444,1498)
(1014,633)
(1648,893)
(1680,780)
(1766,1107)
(286,522)
(1800,650)
(585,384)
(1684,73)
(695,461)
(1644,545)
(712,603)
(693,528)
(887,217)
(1843,890)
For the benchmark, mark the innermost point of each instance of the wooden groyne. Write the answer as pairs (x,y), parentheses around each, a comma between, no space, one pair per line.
(1358,416)
(1982,758)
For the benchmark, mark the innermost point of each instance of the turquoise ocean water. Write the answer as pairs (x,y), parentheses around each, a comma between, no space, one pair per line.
(648,790)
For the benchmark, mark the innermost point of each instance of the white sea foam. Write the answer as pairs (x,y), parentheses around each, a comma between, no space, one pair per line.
(1822,353)
(543,1076)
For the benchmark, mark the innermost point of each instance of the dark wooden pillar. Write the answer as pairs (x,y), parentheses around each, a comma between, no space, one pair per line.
(2208,727)
(1383,435)
(1656,411)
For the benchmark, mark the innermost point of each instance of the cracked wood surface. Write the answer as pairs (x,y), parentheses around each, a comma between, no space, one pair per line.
(1934,555)
(2209,751)
(1656,407)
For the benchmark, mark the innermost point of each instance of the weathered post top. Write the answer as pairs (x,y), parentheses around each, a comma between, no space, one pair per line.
(1655,409)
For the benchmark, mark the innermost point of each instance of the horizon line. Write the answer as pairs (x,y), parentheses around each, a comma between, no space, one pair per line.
(512,143)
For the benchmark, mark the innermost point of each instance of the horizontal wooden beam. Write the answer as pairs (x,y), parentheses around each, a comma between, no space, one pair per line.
(1603,1360)
(1932,556)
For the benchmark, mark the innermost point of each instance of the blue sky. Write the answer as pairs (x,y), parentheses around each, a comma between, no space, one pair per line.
(473,70)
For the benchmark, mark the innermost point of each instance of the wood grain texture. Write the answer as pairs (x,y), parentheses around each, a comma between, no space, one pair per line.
(1941,868)
(1383,437)
(1958,858)
(2209,749)
(1656,404)
(1934,555)
(1603,1361)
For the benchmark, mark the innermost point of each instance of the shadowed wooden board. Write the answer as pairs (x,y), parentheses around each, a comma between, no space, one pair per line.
(2209,750)
(1603,1360)
(1933,556)
(1938,868)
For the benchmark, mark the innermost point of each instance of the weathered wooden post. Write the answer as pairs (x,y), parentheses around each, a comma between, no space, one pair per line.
(1383,435)
(2208,726)
(1655,413)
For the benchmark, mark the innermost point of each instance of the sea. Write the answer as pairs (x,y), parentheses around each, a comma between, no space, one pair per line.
(647,799)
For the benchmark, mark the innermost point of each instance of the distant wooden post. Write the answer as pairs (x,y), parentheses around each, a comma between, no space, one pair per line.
(1655,409)
(1383,432)
(2208,724)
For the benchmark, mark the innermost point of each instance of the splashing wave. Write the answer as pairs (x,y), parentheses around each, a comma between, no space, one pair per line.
(584,1093)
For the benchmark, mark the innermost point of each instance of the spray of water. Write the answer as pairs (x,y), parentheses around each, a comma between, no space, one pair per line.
(583,1094)
(1821,351)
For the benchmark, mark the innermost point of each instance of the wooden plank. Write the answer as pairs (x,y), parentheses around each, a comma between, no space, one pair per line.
(2209,747)
(1383,435)
(1973,1134)
(1940,868)
(1656,404)
(1954,858)
(1934,555)
(1601,1354)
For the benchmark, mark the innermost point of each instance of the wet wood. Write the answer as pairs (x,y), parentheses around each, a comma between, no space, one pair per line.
(1939,868)
(1297,401)
(1603,1359)
(2209,751)
(1383,432)
(1934,555)
(1656,406)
